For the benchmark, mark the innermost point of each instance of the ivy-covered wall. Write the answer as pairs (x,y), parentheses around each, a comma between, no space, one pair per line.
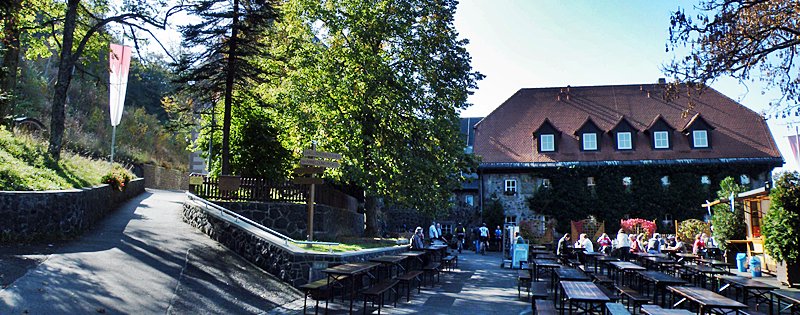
(570,198)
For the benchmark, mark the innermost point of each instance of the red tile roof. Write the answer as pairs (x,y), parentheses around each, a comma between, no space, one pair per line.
(506,135)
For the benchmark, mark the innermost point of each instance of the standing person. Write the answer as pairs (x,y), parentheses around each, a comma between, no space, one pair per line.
(433,233)
(484,238)
(461,233)
(476,238)
(417,239)
(498,238)
(623,244)
(604,242)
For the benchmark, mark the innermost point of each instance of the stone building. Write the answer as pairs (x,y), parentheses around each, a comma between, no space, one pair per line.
(540,135)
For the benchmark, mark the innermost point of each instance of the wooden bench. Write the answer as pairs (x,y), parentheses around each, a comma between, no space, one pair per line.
(616,309)
(376,292)
(405,281)
(544,307)
(657,310)
(539,290)
(602,280)
(431,269)
(586,269)
(612,295)
(634,299)
(523,280)
(317,290)
(447,262)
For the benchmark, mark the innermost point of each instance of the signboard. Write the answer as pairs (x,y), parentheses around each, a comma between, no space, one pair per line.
(229,182)
(520,254)
(196,180)
(309,170)
(312,162)
(322,155)
(307,181)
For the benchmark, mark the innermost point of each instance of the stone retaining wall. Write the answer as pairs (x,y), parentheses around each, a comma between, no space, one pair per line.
(163,178)
(290,219)
(33,216)
(290,264)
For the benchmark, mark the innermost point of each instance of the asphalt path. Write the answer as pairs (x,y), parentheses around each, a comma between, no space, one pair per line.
(141,259)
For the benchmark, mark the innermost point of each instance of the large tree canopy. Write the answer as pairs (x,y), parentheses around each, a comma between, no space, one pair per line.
(745,39)
(382,83)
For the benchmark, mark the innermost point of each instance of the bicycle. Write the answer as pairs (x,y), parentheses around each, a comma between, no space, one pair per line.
(460,242)
(483,245)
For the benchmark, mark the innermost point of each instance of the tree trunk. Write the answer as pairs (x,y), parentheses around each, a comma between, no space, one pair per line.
(8,73)
(226,120)
(371,213)
(65,65)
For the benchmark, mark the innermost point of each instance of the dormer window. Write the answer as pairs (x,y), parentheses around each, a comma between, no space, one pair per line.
(624,135)
(589,135)
(547,137)
(700,138)
(661,140)
(589,141)
(624,141)
(699,132)
(660,133)
(547,143)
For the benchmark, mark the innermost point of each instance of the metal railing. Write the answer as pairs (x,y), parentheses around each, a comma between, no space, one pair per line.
(234,217)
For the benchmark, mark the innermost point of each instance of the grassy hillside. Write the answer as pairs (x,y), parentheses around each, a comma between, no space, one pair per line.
(25,165)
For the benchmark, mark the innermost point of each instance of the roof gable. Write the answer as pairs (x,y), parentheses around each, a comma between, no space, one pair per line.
(697,122)
(659,124)
(588,126)
(623,125)
(546,127)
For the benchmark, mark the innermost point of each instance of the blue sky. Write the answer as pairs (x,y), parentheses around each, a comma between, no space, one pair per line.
(526,44)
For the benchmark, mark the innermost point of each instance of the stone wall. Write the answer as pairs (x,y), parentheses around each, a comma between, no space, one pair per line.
(290,219)
(163,178)
(33,216)
(289,263)
(514,205)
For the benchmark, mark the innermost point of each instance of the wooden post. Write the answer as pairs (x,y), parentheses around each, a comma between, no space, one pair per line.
(310,204)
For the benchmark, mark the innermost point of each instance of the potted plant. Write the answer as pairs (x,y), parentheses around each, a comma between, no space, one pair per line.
(781,227)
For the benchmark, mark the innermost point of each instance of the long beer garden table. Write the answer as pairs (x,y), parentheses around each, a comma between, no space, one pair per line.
(706,300)
(350,272)
(684,257)
(705,273)
(438,251)
(603,259)
(660,282)
(536,252)
(791,298)
(419,257)
(539,264)
(714,263)
(580,293)
(759,290)
(566,274)
(659,263)
(623,267)
(391,262)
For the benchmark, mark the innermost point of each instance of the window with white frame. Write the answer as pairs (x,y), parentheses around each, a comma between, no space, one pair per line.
(744,179)
(665,181)
(589,141)
(545,182)
(511,186)
(661,139)
(705,180)
(700,138)
(447,229)
(547,142)
(590,181)
(624,141)
(469,200)
(627,182)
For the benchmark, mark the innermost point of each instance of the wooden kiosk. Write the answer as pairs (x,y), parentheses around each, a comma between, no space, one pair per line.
(756,203)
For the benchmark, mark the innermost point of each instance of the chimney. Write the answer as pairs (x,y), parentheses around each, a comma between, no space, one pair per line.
(662,81)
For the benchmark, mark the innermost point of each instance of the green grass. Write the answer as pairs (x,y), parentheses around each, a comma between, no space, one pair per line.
(25,166)
(353,244)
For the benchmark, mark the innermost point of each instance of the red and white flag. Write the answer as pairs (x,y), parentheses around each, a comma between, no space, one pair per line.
(119,61)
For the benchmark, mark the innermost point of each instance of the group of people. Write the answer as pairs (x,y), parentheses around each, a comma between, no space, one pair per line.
(626,244)
(482,237)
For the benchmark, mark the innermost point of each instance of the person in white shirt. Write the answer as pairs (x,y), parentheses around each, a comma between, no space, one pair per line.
(484,231)
(433,233)
(586,243)
(623,244)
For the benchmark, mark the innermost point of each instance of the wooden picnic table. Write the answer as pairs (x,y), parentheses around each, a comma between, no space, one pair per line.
(583,296)
(791,298)
(659,263)
(566,274)
(438,251)
(536,252)
(391,262)
(714,263)
(660,282)
(706,300)
(539,264)
(419,257)
(655,310)
(349,272)
(538,247)
(623,267)
(686,257)
(603,259)
(759,290)
(706,273)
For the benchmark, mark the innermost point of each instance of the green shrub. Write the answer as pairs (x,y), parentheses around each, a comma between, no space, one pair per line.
(690,228)
(728,225)
(781,226)
(118,178)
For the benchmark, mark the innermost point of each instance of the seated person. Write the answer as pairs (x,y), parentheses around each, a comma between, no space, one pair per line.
(416,239)
(654,245)
(677,246)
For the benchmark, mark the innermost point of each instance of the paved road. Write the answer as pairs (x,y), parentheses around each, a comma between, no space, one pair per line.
(141,259)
